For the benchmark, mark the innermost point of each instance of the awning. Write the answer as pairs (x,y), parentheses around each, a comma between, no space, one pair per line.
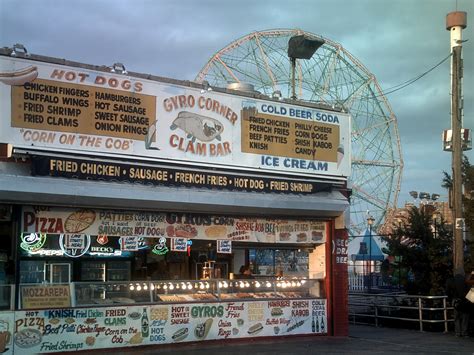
(18,187)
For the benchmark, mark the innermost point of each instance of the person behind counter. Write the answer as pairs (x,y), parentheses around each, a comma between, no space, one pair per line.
(245,273)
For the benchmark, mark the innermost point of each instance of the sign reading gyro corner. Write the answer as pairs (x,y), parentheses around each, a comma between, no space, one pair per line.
(62,107)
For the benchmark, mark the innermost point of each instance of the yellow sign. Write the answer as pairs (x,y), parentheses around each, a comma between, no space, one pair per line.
(281,136)
(56,106)
(45,296)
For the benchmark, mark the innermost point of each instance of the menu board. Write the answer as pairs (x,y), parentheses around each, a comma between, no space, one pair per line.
(59,330)
(282,136)
(63,107)
(171,225)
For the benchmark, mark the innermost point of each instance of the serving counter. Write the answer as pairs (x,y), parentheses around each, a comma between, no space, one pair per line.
(141,313)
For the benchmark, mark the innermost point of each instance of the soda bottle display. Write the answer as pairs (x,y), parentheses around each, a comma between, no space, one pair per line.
(322,325)
(145,328)
(317,324)
(313,326)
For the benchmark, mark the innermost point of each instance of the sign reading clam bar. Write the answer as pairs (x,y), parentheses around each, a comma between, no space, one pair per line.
(171,225)
(71,109)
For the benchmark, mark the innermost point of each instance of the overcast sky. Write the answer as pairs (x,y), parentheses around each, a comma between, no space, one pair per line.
(395,39)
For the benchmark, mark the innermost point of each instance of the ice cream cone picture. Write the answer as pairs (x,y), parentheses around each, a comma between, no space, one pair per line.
(340,154)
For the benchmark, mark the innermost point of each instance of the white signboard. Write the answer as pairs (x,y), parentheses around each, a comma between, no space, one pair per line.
(224,246)
(60,330)
(179,244)
(74,241)
(70,109)
(129,243)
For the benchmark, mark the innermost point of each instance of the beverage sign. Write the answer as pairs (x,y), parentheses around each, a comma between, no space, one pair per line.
(73,110)
(224,246)
(129,243)
(74,241)
(179,244)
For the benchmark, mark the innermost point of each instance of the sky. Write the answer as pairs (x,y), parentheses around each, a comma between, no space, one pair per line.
(396,40)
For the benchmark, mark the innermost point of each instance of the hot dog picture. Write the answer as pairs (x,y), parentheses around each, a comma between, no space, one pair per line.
(285,236)
(181,231)
(19,77)
(256,328)
(180,334)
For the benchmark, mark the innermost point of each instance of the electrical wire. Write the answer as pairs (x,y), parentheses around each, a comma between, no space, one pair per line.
(411,81)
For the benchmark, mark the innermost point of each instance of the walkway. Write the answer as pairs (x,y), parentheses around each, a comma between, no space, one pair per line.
(362,340)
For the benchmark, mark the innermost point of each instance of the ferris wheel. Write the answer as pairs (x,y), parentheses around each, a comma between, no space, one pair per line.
(332,77)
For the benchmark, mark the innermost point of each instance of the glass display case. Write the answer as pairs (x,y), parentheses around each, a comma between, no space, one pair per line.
(197,291)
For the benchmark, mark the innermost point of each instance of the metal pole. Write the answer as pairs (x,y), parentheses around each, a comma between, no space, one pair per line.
(456,160)
(370,258)
(293,80)
(455,23)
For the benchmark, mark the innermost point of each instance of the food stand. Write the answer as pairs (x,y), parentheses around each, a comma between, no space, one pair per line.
(127,237)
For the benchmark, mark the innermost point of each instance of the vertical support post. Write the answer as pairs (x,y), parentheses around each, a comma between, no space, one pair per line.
(293,79)
(445,312)
(420,313)
(456,159)
(455,23)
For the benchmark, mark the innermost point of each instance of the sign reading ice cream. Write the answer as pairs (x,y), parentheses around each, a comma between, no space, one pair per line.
(73,110)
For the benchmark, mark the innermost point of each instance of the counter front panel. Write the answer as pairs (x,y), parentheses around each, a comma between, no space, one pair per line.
(70,329)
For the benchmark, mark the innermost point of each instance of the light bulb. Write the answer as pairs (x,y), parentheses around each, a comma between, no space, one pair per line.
(165,287)
(201,286)
(145,287)
(257,284)
(190,287)
(171,286)
(268,284)
(139,288)
(132,287)
(152,287)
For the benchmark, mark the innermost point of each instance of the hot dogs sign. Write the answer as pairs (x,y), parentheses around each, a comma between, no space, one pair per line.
(59,330)
(72,109)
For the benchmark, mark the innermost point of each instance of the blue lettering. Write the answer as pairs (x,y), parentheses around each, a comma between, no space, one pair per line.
(274,109)
(325,117)
(305,164)
(270,161)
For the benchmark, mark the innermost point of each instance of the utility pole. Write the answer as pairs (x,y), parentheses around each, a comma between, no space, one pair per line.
(455,23)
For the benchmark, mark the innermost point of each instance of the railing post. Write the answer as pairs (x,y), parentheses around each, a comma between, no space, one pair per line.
(445,311)
(376,312)
(420,313)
